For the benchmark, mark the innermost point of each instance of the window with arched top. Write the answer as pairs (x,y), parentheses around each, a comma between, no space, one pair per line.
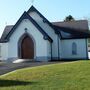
(74,48)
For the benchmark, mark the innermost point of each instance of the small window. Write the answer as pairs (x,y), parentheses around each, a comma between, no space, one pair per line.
(74,48)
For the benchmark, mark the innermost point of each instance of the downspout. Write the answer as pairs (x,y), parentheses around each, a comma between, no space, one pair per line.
(51,51)
(58,48)
(87,49)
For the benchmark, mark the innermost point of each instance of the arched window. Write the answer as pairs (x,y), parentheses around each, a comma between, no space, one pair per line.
(74,48)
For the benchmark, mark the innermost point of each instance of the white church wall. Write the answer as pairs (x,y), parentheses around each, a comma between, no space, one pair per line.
(3,51)
(49,49)
(66,49)
(49,31)
(60,49)
(41,45)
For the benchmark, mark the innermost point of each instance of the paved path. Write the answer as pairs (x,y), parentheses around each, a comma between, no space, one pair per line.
(8,67)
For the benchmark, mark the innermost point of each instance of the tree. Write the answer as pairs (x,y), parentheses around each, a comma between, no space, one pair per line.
(69,18)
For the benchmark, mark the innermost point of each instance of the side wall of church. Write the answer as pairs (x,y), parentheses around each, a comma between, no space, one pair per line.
(3,51)
(70,51)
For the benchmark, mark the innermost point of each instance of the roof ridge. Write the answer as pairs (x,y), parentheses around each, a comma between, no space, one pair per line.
(32,8)
(68,21)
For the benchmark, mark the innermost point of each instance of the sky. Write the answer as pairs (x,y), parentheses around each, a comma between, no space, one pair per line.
(53,10)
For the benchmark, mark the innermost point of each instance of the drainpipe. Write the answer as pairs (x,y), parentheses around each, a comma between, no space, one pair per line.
(51,51)
(58,48)
(87,57)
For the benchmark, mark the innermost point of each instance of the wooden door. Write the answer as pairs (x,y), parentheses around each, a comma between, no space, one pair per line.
(27,48)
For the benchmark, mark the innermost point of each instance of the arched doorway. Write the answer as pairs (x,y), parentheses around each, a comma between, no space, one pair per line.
(26,47)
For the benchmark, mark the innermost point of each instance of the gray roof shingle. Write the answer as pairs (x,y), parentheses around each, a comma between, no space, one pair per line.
(77,24)
(68,33)
(6,31)
(73,29)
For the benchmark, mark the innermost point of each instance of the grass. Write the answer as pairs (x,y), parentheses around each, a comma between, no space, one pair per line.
(66,76)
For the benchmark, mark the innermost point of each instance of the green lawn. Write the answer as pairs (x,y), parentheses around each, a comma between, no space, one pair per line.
(66,76)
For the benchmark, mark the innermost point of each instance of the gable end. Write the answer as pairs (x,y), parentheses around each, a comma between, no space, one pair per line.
(44,19)
(26,16)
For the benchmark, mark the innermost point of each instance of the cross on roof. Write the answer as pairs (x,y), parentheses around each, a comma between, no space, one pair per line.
(32,2)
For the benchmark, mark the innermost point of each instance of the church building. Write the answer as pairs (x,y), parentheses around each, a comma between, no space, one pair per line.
(34,38)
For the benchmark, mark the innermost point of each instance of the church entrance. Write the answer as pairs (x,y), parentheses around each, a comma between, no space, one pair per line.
(27,48)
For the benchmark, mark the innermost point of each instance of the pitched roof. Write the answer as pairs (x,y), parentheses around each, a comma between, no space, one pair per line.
(68,33)
(6,34)
(6,31)
(32,8)
(77,24)
(66,30)
(74,28)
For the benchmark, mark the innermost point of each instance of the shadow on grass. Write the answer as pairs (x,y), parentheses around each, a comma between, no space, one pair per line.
(8,83)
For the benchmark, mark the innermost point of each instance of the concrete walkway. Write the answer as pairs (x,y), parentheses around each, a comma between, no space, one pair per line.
(8,67)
